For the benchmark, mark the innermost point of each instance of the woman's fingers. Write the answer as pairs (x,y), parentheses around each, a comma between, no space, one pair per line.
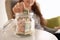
(58,27)
(18,8)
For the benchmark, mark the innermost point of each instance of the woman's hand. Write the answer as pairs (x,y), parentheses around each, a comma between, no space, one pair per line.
(18,8)
(58,27)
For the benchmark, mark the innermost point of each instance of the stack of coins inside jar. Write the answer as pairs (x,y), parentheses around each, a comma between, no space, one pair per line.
(23,23)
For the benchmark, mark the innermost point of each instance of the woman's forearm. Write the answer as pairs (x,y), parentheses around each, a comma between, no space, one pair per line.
(50,29)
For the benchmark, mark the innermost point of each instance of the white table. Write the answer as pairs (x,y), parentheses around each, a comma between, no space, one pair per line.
(38,35)
(9,34)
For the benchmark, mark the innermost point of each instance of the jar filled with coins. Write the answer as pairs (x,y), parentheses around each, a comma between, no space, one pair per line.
(24,23)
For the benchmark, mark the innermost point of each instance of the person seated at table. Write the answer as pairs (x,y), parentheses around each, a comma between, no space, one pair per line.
(34,8)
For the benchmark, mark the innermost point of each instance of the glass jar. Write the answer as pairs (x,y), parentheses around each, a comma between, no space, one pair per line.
(24,23)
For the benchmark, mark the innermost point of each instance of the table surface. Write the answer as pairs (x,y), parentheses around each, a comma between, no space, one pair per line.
(38,35)
(9,34)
